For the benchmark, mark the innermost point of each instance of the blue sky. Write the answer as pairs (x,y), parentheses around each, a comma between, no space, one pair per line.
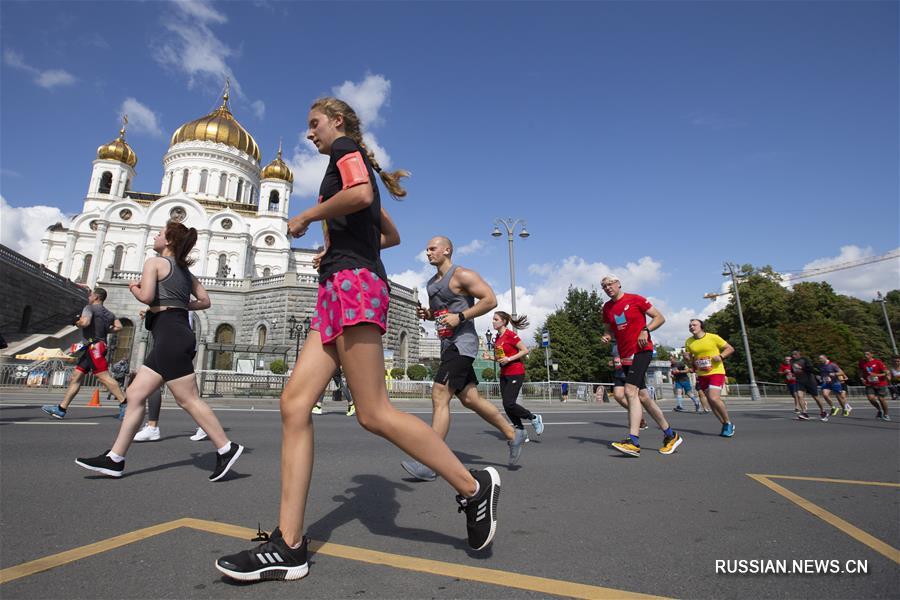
(654,139)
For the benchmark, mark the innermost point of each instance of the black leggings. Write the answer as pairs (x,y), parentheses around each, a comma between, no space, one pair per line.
(154,402)
(509,391)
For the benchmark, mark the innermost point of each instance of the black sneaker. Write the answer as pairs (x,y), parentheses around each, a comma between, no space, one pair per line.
(224,462)
(102,464)
(481,509)
(271,560)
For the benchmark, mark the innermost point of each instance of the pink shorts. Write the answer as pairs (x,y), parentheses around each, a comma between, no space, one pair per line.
(704,382)
(350,297)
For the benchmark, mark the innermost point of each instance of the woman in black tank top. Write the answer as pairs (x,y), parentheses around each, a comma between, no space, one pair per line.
(166,286)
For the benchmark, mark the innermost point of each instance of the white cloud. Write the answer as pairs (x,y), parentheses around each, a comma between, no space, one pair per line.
(367,97)
(259,109)
(200,9)
(46,79)
(141,118)
(18,230)
(577,272)
(860,282)
(308,167)
(470,248)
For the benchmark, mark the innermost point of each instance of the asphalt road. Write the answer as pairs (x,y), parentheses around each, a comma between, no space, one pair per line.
(574,512)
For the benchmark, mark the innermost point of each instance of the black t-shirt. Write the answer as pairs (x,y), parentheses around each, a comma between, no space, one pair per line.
(101,320)
(802,368)
(352,241)
(683,376)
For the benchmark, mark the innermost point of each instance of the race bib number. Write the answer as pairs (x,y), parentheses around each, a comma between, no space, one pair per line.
(704,364)
(76,347)
(873,378)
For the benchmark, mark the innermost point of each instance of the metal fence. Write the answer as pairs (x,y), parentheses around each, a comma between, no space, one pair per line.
(23,375)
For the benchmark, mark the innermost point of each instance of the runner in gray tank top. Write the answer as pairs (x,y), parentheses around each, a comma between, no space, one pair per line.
(456,296)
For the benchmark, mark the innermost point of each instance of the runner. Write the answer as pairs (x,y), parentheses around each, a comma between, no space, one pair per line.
(875,377)
(830,375)
(455,297)
(707,352)
(625,316)
(340,391)
(166,286)
(346,330)
(802,369)
(681,382)
(791,381)
(564,391)
(895,378)
(95,322)
(619,385)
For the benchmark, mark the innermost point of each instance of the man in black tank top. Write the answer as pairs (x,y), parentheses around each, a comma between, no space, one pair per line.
(456,296)
(96,321)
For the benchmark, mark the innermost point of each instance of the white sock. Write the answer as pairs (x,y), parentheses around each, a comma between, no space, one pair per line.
(297,545)
(477,489)
(224,449)
(115,457)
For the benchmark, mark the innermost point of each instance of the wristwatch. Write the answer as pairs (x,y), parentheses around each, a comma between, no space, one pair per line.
(462,317)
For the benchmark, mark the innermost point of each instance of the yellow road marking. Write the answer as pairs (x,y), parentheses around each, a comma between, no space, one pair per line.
(855,532)
(509,579)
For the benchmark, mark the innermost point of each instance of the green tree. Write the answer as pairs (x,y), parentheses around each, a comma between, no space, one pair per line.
(488,374)
(397,373)
(278,367)
(417,372)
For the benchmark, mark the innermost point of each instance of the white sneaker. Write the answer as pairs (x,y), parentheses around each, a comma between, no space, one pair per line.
(147,434)
(199,436)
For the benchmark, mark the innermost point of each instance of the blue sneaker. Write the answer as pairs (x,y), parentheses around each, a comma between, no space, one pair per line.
(122,408)
(538,423)
(727,430)
(54,411)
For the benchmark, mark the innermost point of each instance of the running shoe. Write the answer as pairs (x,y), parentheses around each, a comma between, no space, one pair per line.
(147,434)
(835,411)
(122,407)
(481,509)
(679,409)
(102,464)
(351,410)
(706,411)
(515,446)
(418,470)
(847,410)
(823,416)
(796,411)
(727,430)
(224,462)
(317,410)
(199,436)
(670,443)
(698,410)
(879,415)
(54,411)
(538,423)
(885,417)
(271,560)
(803,416)
(628,447)
(643,424)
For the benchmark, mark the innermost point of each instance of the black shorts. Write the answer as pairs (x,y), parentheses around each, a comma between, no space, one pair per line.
(808,385)
(877,391)
(173,345)
(636,372)
(455,371)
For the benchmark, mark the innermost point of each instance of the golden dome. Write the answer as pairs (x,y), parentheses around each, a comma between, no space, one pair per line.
(118,149)
(218,126)
(277,169)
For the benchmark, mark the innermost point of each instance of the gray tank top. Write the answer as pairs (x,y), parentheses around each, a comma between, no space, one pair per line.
(441,299)
(175,288)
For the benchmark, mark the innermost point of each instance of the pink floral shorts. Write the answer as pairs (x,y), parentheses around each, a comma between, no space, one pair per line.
(350,297)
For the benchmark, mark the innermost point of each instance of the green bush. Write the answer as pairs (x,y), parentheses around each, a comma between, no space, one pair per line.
(397,373)
(278,366)
(488,374)
(417,372)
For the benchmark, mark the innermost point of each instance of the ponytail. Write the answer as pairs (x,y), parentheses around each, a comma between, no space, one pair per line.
(181,239)
(520,322)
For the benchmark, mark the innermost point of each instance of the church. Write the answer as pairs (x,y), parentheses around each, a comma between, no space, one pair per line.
(263,290)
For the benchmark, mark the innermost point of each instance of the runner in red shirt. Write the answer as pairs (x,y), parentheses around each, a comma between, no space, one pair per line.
(875,377)
(791,380)
(625,316)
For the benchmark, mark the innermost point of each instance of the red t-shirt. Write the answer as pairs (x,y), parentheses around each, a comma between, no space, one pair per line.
(506,346)
(873,373)
(785,369)
(627,317)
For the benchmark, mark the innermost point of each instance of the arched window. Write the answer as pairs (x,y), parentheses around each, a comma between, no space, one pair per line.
(184,179)
(261,335)
(117,258)
(222,181)
(171,182)
(26,319)
(266,272)
(85,268)
(59,267)
(124,341)
(404,350)
(274,199)
(222,359)
(128,185)
(252,195)
(105,183)
(204,176)
(222,270)
(240,189)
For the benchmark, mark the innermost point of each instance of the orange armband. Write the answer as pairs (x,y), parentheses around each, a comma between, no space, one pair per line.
(353,170)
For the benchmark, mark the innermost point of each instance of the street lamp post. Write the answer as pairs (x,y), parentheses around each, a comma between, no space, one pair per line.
(297,329)
(883,300)
(730,270)
(510,226)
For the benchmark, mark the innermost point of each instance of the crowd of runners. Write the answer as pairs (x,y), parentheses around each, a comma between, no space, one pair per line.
(345,344)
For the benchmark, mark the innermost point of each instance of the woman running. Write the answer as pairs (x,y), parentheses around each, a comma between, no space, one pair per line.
(509,352)
(347,325)
(166,286)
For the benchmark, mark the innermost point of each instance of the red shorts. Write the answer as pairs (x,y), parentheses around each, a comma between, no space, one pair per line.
(350,297)
(717,380)
(93,359)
